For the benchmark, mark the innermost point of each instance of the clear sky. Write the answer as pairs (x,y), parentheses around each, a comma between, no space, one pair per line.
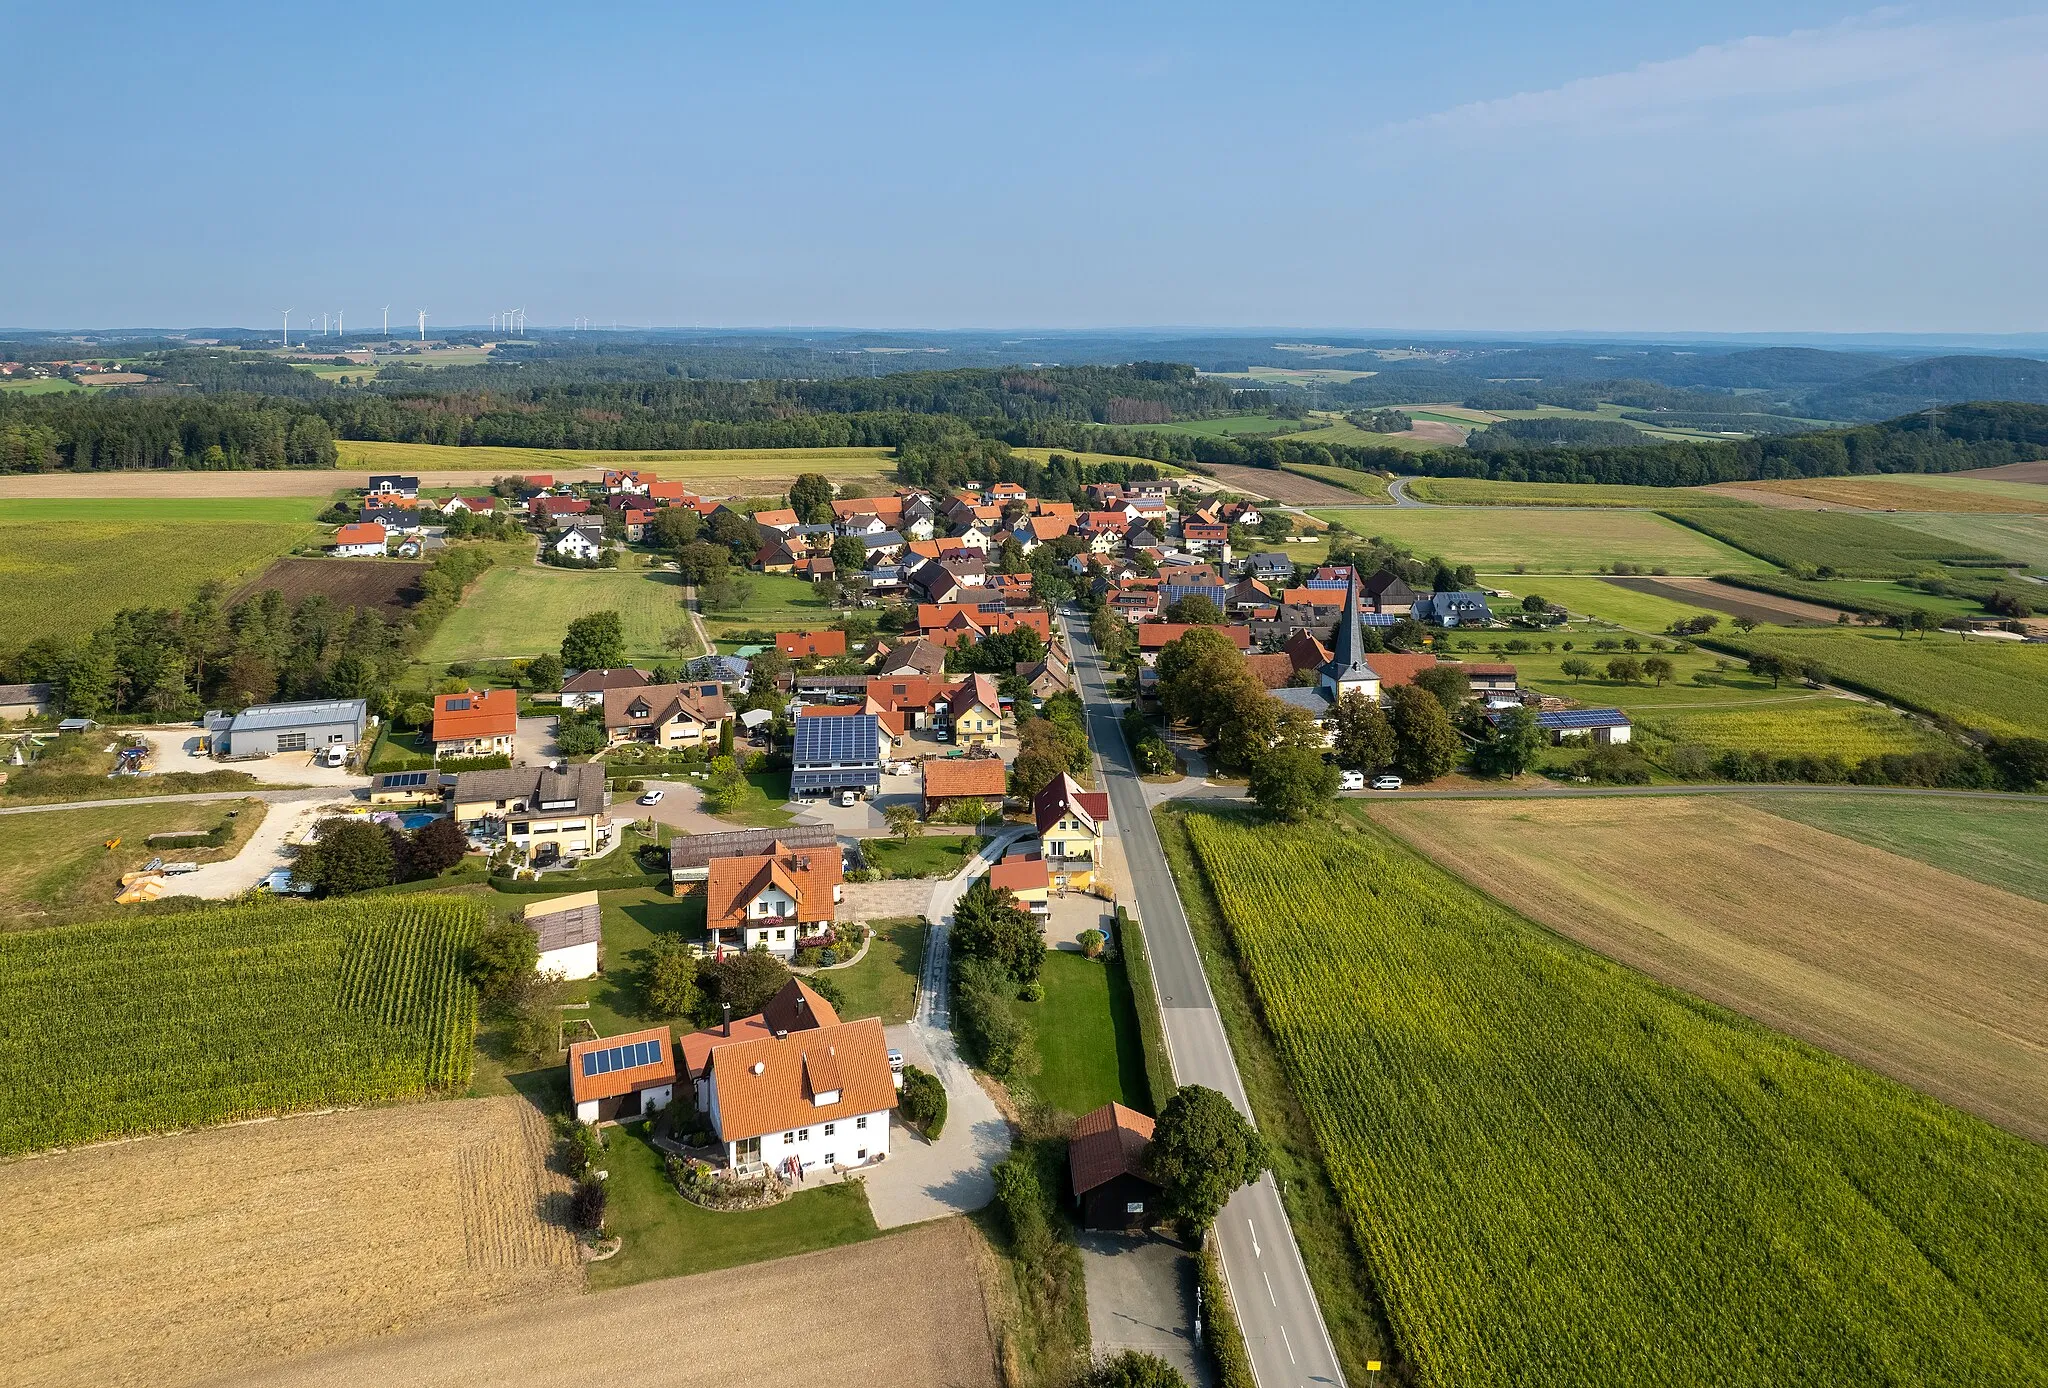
(1733,166)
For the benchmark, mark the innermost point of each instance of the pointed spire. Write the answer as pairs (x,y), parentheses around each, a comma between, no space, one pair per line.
(1348,666)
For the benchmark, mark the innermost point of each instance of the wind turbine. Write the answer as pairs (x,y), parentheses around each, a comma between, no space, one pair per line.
(323,325)
(423,325)
(287,326)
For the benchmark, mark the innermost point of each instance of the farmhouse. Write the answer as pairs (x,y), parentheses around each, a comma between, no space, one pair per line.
(818,1098)
(359,540)
(619,1077)
(796,1007)
(834,754)
(667,715)
(1106,1159)
(569,930)
(470,724)
(949,780)
(270,729)
(586,689)
(690,856)
(25,700)
(773,901)
(546,812)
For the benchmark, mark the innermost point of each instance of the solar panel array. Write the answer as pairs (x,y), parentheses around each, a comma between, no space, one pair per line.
(1571,718)
(402,780)
(847,740)
(628,1057)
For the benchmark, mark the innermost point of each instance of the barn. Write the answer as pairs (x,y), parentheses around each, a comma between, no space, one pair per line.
(1106,1159)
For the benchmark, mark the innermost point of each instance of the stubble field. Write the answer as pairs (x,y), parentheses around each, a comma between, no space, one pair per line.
(171,1260)
(714,472)
(1938,981)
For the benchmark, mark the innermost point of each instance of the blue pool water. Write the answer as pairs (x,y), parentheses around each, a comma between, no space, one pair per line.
(414,821)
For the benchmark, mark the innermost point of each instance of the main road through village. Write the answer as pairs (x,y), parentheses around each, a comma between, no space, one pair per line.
(1283,1326)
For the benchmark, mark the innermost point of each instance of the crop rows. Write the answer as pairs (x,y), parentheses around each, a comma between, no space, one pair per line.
(1861,546)
(1997,687)
(1810,728)
(152,1023)
(1561,1173)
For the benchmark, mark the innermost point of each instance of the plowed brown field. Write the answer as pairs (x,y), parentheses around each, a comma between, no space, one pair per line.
(169,1260)
(1935,980)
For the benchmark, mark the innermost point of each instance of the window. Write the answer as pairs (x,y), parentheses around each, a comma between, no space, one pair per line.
(828,1129)
(803,1134)
(860,1122)
(782,934)
(291,742)
(861,1155)
(788,1138)
(829,1158)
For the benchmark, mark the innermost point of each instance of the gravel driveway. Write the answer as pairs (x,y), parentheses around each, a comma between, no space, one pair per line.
(262,855)
(1141,1295)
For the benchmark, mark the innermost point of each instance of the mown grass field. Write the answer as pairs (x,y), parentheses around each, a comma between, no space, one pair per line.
(1997,687)
(2002,843)
(884,983)
(1596,597)
(1808,728)
(519,609)
(779,602)
(1088,1050)
(57,863)
(760,469)
(1336,429)
(1857,546)
(1731,688)
(1041,455)
(1367,484)
(67,566)
(2024,538)
(1478,491)
(1913,491)
(1559,1170)
(1565,541)
(151,1023)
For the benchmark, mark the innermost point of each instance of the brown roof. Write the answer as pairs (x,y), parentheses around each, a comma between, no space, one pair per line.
(459,717)
(782,1093)
(1063,795)
(578,789)
(563,922)
(1396,668)
(796,1007)
(1020,873)
(1108,1143)
(583,1088)
(596,681)
(1154,636)
(701,850)
(948,776)
(806,875)
(1473,668)
(1274,671)
(799,644)
(698,702)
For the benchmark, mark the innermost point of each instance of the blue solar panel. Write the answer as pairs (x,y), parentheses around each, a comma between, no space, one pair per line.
(628,1057)
(589,1064)
(837,741)
(653,1052)
(1581,718)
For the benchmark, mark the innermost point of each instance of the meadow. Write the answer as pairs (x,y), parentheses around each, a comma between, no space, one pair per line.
(2002,843)
(1559,1171)
(1367,484)
(1564,541)
(56,863)
(519,609)
(1337,429)
(759,469)
(1478,491)
(2024,538)
(1996,687)
(1913,491)
(1042,455)
(67,566)
(1608,602)
(1821,727)
(151,1023)
(782,602)
(1856,546)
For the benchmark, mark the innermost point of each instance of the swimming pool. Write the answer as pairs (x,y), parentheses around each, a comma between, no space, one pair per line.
(414,821)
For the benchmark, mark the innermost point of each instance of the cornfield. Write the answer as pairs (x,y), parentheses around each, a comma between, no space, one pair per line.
(1562,1173)
(152,1023)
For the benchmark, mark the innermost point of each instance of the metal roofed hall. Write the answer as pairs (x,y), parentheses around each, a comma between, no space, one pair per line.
(258,717)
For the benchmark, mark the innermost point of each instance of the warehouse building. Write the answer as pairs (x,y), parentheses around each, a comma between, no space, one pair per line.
(269,729)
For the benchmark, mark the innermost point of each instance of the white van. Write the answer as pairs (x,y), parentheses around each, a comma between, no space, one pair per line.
(334,755)
(1351,780)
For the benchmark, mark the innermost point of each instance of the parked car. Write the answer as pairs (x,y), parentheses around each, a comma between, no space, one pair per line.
(335,756)
(1351,780)
(895,1061)
(943,733)
(849,798)
(1386,783)
(652,797)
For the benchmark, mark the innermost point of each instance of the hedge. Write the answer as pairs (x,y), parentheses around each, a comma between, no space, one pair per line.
(1130,941)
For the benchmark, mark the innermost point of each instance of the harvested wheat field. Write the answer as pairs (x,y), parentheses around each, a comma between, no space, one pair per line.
(1912,492)
(169,1260)
(1736,601)
(1935,980)
(1287,488)
(904,1311)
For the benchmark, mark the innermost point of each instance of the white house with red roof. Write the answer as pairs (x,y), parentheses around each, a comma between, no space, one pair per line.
(803,1101)
(1071,822)
(360,540)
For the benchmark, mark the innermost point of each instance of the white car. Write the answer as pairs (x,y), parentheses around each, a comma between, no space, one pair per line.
(1351,780)
(335,755)
(652,797)
(1386,783)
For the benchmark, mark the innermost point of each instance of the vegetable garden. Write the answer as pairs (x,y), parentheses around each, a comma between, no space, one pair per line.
(150,1023)
(1559,1171)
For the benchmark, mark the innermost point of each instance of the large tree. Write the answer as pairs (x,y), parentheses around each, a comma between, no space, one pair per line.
(1425,744)
(1449,683)
(810,496)
(1365,740)
(1202,1151)
(1511,744)
(1196,609)
(351,855)
(989,924)
(595,641)
(1293,783)
(849,555)
(744,978)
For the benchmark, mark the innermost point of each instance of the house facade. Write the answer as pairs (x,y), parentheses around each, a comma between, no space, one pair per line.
(536,809)
(1070,826)
(666,715)
(773,901)
(805,1101)
(975,712)
(359,540)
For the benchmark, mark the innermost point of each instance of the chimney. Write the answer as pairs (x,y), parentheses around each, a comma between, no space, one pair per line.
(726,1007)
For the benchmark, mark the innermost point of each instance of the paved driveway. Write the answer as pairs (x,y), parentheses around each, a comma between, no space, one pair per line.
(873,901)
(177,749)
(1141,1295)
(536,740)
(682,804)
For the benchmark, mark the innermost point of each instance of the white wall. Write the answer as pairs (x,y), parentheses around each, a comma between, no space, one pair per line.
(812,1144)
(577,961)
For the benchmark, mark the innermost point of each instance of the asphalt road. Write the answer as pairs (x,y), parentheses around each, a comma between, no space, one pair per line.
(1283,1326)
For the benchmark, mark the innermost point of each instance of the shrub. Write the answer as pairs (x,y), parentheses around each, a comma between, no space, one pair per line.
(923,1102)
(1091,943)
(1617,764)
(586,1206)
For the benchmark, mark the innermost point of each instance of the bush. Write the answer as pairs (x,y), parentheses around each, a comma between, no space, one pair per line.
(1092,942)
(586,1206)
(923,1101)
(1617,764)
(1133,1368)
(995,1037)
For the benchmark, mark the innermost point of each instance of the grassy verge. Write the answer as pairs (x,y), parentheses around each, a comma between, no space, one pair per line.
(1087,1043)
(666,1236)
(1335,1267)
(884,983)
(1039,1297)
(56,866)
(1145,1002)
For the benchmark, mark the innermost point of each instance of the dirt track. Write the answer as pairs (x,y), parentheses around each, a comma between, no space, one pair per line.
(1933,979)
(906,1312)
(165,1261)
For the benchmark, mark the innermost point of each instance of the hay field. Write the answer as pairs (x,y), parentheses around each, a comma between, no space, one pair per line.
(752,470)
(1914,491)
(1292,487)
(1997,687)
(914,1316)
(520,609)
(171,1260)
(64,573)
(1548,541)
(1935,980)
(2000,842)
(1820,727)
(1618,601)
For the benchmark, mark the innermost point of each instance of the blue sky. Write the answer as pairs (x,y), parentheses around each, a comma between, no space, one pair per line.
(1725,167)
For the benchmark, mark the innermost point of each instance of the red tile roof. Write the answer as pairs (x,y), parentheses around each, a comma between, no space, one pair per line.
(1108,1143)
(583,1088)
(1020,874)
(950,776)
(799,644)
(462,717)
(773,1085)
(806,875)
(360,533)
(1153,635)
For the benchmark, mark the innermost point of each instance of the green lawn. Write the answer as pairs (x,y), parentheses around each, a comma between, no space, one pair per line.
(2003,843)
(1088,1046)
(1878,590)
(764,804)
(55,865)
(1548,541)
(884,983)
(1598,598)
(778,602)
(1732,688)
(1477,491)
(665,1235)
(933,855)
(522,609)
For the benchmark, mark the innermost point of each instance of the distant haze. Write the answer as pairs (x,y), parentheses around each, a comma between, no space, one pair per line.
(1797,168)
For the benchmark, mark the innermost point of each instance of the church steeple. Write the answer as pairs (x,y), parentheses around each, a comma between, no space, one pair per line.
(1348,670)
